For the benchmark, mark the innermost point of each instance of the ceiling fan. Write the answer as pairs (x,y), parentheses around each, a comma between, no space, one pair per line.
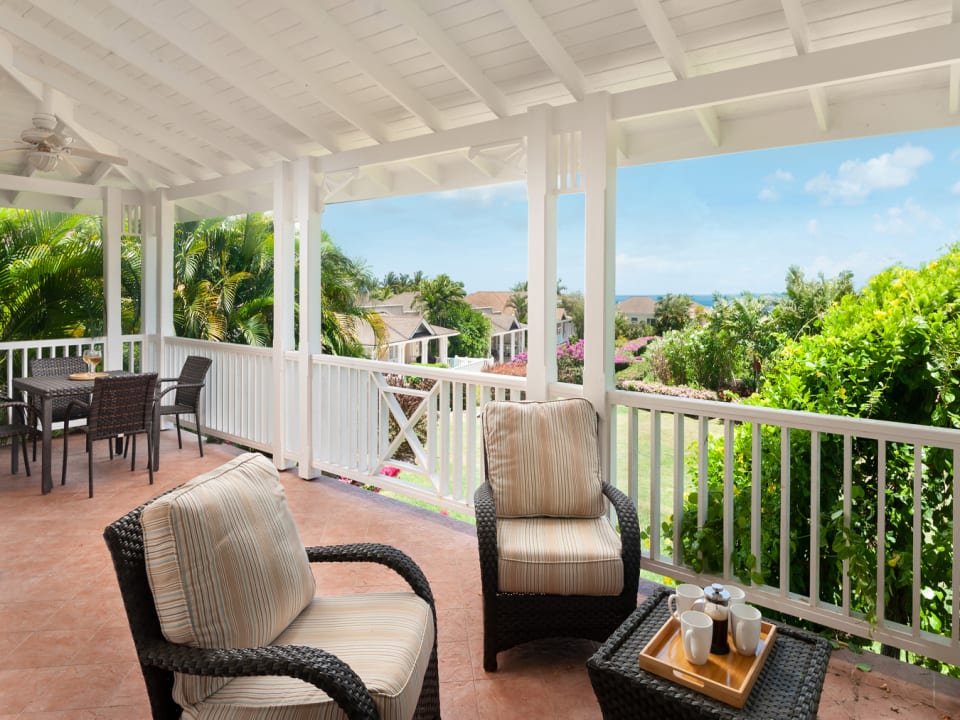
(46,145)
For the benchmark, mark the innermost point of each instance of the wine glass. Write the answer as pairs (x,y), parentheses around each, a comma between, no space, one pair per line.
(91,356)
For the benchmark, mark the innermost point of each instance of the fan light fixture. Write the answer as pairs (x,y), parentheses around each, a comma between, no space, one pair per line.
(42,160)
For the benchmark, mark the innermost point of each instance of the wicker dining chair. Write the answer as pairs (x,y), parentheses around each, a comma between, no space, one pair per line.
(45,366)
(187,394)
(121,406)
(551,564)
(228,620)
(16,423)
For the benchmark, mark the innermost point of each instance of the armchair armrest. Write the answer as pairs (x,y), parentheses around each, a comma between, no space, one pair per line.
(485,512)
(312,665)
(629,536)
(391,557)
(178,386)
(84,408)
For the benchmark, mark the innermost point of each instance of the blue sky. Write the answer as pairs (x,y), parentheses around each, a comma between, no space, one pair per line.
(724,224)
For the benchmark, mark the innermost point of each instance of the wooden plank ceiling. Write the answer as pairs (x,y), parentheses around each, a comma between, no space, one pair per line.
(189,91)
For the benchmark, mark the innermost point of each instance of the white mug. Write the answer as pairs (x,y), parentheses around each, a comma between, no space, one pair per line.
(745,628)
(687,597)
(696,632)
(737,595)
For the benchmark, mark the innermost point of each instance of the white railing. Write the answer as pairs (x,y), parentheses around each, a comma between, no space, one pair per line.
(238,400)
(424,422)
(664,462)
(15,357)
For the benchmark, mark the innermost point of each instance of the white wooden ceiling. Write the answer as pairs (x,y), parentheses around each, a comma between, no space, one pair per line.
(194,90)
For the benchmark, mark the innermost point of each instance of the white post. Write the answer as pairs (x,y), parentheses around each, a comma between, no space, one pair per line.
(149,277)
(283,295)
(424,351)
(444,349)
(600,187)
(111,242)
(541,253)
(513,344)
(309,216)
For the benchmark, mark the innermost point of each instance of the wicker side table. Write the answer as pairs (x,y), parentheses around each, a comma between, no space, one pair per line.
(788,687)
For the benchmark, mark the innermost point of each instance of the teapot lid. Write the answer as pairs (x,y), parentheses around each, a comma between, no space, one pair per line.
(716,593)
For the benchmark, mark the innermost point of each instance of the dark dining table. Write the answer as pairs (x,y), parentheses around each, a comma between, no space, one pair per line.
(49,388)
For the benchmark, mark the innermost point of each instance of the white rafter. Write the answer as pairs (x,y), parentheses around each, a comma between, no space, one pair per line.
(326,27)
(667,41)
(458,62)
(532,26)
(134,53)
(797,22)
(203,52)
(68,84)
(231,19)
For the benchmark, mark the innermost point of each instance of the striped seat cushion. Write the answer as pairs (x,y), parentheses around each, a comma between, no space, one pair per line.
(387,639)
(225,562)
(559,556)
(543,458)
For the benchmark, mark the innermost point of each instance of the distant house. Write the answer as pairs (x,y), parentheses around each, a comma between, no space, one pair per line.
(638,308)
(410,338)
(508,336)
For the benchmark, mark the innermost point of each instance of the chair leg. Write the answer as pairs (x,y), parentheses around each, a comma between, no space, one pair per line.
(133,452)
(150,454)
(90,466)
(23,446)
(199,432)
(179,439)
(63,471)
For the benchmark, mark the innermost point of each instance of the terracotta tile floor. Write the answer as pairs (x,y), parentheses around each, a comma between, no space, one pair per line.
(65,650)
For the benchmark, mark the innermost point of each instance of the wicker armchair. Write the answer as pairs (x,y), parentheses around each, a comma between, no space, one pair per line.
(121,405)
(187,394)
(20,427)
(543,475)
(216,496)
(44,366)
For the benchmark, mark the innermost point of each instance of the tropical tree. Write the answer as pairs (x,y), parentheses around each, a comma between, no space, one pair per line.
(344,281)
(441,302)
(672,312)
(518,301)
(433,296)
(801,310)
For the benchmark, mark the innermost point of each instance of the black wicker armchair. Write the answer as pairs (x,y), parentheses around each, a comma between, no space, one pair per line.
(121,406)
(18,424)
(46,366)
(519,614)
(160,659)
(187,393)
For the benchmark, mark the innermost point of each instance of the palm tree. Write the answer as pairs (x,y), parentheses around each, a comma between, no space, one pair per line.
(343,282)
(435,296)
(518,301)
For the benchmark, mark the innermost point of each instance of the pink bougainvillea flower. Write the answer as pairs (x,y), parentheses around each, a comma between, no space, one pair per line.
(390,471)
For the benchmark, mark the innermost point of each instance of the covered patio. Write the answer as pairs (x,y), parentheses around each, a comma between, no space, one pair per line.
(66,652)
(187,109)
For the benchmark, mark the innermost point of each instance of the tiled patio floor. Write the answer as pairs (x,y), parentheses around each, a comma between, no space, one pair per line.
(66,653)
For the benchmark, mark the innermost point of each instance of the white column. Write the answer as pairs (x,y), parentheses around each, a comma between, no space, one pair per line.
(283,294)
(541,253)
(309,205)
(513,344)
(111,241)
(600,187)
(164,278)
(444,349)
(149,294)
(500,348)
(424,351)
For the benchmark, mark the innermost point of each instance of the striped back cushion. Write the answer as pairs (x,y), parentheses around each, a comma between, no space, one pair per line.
(224,559)
(543,458)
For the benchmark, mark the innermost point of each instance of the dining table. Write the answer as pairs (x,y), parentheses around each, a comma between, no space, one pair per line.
(49,388)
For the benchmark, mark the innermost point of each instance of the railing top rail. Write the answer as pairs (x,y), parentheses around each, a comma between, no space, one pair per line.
(390,368)
(221,346)
(796,419)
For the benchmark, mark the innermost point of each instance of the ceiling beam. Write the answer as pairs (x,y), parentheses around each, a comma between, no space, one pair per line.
(188,42)
(324,24)
(457,61)
(147,100)
(662,32)
(917,50)
(115,112)
(232,20)
(532,26)
(797,22)
(954,94)
(134,53)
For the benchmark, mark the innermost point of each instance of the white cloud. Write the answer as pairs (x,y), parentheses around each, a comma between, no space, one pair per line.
(906,219)
(813,227)
(768,195)
(856,179)
(781,176)
(487,195)
(955,188)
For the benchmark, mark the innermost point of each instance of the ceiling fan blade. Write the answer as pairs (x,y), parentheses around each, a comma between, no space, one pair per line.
(93,154)
(13,150)
(71,164)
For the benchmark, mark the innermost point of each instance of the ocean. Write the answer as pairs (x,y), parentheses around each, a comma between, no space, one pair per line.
(705,300)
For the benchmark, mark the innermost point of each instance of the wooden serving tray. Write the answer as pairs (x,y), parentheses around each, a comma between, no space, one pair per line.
(87,375)
(727,678)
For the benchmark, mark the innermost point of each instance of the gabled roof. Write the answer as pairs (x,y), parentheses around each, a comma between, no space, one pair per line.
(402,96)
(637,305)
(401,329)
(497,301)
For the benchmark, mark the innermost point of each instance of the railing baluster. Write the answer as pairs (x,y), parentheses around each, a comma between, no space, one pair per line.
(917,536)
(458,450)
(677,475)
(814,518)
(955,579)
(784,511)
(881,530)
(756,488)
(655,553)
(847,514)
(727,496)
(632,451)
